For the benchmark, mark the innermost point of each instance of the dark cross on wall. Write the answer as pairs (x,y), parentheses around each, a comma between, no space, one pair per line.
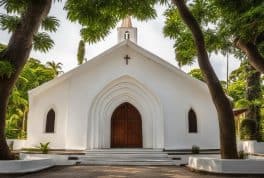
(127,58)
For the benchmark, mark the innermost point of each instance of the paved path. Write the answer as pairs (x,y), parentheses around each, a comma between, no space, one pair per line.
(120,171)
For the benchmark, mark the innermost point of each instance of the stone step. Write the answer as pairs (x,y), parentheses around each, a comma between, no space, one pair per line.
(126,151)
(127,155)
(127,162)
(124,159)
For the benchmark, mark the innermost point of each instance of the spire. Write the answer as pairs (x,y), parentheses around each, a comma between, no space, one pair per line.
(126,31)
(127,22)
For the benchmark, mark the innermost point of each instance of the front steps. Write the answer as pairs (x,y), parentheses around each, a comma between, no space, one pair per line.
(126,157)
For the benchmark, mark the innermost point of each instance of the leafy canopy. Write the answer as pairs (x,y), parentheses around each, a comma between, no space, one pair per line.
(222,22)
(10,20)
(98,17)
(34,74)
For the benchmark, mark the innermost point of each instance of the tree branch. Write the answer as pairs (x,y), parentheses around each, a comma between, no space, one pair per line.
(251,50)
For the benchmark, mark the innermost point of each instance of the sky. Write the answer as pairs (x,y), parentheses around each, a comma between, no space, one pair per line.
(150,37)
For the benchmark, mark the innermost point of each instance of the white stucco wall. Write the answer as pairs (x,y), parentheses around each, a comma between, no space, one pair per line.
(73,98)
(56,99)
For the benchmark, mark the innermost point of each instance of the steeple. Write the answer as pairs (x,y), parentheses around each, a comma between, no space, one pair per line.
(127,31)
(126,22)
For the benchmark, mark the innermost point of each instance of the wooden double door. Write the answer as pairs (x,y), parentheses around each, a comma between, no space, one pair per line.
(126,127)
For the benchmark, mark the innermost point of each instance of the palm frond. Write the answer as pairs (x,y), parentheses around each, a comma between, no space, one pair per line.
(42,42)
(8,22)
(14,6)
(50,24)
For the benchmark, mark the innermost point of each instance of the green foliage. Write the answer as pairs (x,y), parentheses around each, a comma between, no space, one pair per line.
(6,69)
(197,73)
(42,42)
(55,67)
(8,22)
(14,6)
(33,75)
(248,129)
(242,103)
(195,149)
(261,127)
(221,23)
(81,52)
(50,24)
(99,17)
(44,147)
(14,13)
(2,47)
(243,19)
(242,155)
(184,45)
(237,89)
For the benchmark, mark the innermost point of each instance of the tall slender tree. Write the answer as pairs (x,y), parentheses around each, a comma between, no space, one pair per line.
(81,52)
(17,52)
(222,103)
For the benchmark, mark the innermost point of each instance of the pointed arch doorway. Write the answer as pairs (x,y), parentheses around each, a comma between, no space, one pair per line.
(126,127)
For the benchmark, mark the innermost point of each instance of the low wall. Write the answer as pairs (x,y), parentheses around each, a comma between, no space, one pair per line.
(17,144)
(58,159)
(253,146)
(226,166)
(25,165)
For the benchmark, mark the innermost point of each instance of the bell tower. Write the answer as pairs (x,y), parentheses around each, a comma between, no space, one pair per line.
(127,31)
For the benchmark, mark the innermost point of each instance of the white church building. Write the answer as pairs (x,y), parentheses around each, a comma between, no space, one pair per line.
(126,97)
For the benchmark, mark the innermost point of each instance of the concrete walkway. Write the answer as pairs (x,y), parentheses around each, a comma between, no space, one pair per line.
(120,171)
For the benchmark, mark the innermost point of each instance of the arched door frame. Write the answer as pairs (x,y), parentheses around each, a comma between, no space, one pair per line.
(125,89)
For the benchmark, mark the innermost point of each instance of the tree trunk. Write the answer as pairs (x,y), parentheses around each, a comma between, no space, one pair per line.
(222,103)
(254,57)
(17,53)
(253,93)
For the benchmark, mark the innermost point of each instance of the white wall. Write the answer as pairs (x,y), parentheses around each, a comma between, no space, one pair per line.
(252,146)
(56,99)
(176,93)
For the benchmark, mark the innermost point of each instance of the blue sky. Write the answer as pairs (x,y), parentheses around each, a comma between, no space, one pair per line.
(150,37)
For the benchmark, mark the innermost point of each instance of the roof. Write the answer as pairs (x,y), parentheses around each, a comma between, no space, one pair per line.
(127,43)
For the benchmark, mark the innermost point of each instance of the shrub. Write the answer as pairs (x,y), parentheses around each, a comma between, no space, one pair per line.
(44,147)
(242,155)
(195,149)
(261,129)
(248,129)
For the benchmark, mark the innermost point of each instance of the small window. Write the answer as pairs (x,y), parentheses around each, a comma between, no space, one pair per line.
(192,119)
(127,35)
(50,121)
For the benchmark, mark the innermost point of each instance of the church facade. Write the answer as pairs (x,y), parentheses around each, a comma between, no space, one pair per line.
(125,97)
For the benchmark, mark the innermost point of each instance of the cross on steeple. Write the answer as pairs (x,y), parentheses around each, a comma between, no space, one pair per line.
(126,59)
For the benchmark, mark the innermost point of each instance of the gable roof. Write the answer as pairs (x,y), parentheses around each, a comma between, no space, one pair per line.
(133,46)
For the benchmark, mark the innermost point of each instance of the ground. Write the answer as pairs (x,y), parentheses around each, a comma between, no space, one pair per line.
(120,171)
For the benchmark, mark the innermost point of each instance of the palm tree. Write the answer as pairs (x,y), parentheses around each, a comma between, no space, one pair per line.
(56,67)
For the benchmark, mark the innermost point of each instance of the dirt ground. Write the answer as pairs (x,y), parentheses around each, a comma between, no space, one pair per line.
(121,171)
